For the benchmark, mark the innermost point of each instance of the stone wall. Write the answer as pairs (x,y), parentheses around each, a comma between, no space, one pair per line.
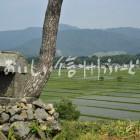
(28,121)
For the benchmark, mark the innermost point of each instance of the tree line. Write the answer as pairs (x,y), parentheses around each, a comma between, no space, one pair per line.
(118,59)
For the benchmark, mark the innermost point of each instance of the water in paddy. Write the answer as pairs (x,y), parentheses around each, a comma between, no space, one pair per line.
(108,107)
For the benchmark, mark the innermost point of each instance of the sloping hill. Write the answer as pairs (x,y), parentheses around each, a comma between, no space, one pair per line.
(74,41)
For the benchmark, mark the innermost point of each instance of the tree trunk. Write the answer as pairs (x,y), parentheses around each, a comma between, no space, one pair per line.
(36,82)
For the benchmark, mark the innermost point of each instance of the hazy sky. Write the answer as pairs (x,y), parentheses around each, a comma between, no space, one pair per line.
(18,14)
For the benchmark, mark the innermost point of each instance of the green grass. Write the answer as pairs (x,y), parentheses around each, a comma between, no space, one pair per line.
(126,91)
(100,130)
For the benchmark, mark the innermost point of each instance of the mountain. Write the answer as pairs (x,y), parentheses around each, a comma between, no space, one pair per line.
(84,41)
(65,27)
(74,41)
(127,31)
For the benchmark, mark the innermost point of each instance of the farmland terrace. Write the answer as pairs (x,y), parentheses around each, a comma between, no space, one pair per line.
(116,96)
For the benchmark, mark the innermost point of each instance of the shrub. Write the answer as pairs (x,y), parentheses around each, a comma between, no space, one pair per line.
(119,78)
(67,111)
(101,78)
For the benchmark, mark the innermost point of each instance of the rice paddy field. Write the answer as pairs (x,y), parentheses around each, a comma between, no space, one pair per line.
(114,97)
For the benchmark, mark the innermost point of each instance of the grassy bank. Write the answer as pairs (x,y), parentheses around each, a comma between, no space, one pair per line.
(100,130)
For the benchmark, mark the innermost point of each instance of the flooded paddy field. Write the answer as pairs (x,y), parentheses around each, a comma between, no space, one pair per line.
(106,99)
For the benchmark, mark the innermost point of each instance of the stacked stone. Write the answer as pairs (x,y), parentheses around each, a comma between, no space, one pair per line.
(28,121)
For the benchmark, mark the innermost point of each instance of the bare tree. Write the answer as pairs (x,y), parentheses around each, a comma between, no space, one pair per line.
(36,82)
